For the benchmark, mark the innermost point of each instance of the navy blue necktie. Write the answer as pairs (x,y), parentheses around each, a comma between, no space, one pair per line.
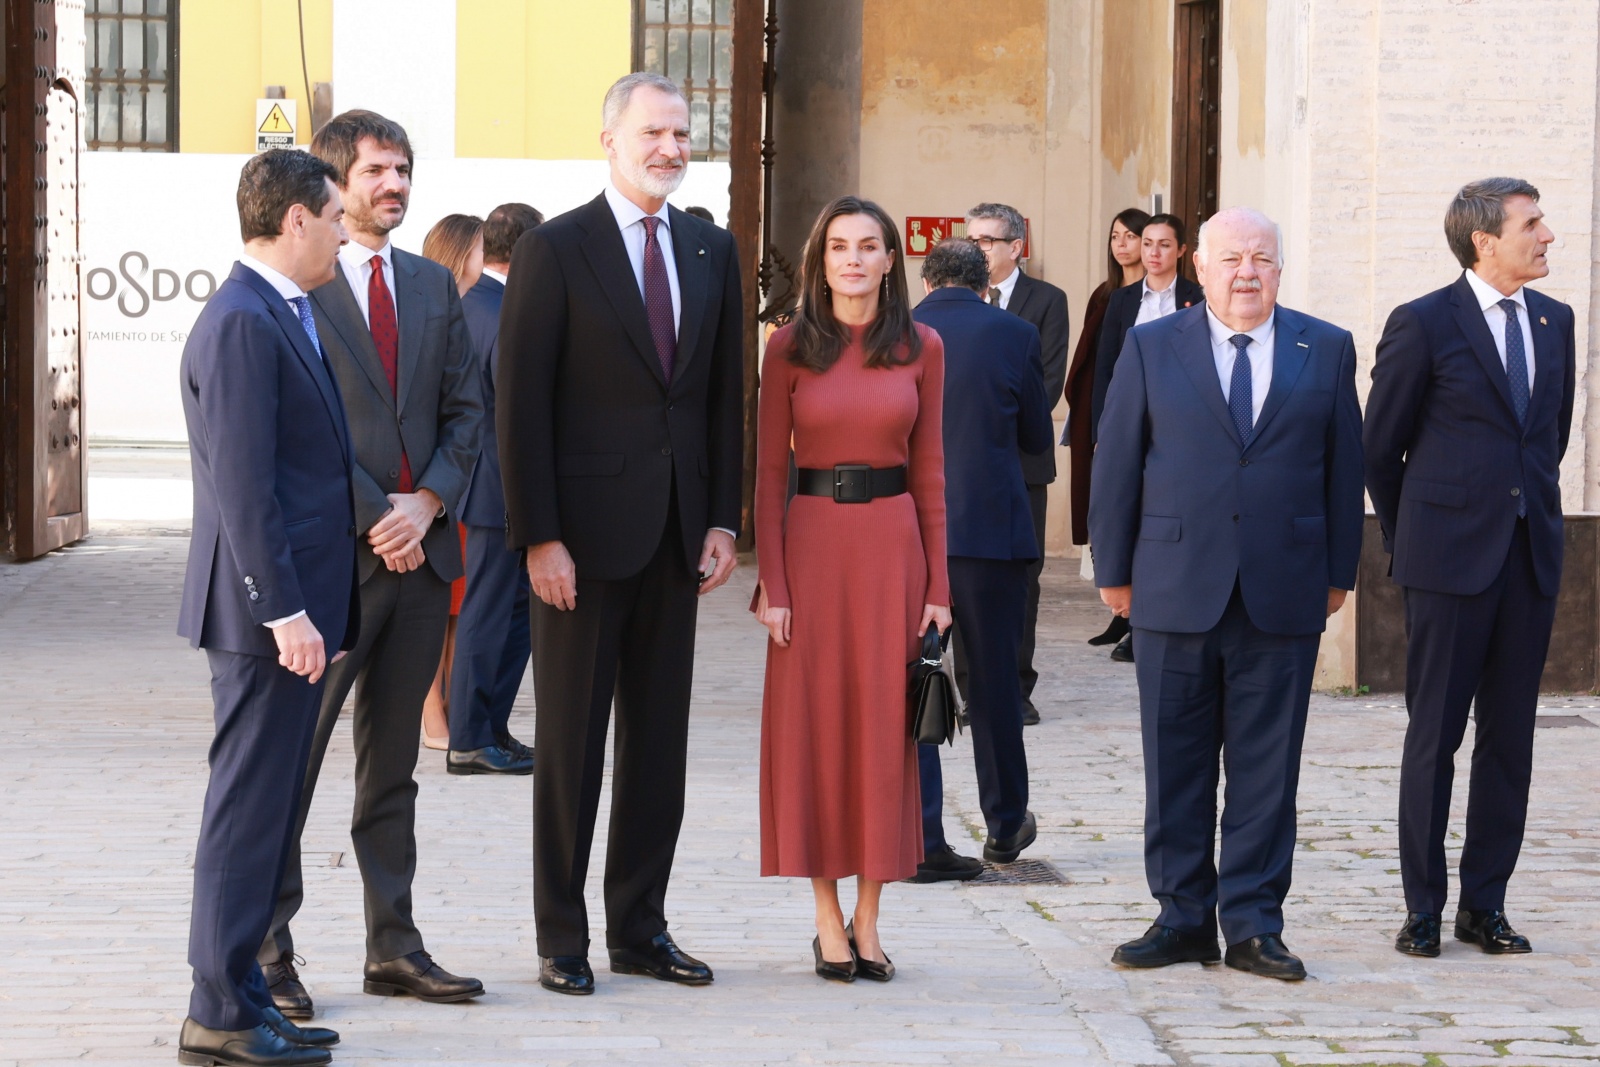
(302,307)
(1516,360)
(1241,404)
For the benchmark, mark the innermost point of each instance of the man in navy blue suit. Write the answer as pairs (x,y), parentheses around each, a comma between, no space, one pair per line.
(492,646)
(1467,421)
(1226,513)
(270,587)
(994,407)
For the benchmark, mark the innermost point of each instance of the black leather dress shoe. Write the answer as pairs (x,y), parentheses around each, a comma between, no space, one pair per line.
(1123,653)
(260,1046)
(945,865)
(492,759)
(1266,956)
(1490,931)
(310,1036)
(1006,850)
(513,746)
(661,958)
(566,974)
(1162,946)
(416,975)
(1420,935)
(1113,633)
(1030,714)
(283,982)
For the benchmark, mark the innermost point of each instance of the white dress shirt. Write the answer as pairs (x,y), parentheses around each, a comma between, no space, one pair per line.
(1259,350)
(290,292)
(630,220)
(356,259)
(496,275)
(1489,300)
(1006,288)
(1155,305)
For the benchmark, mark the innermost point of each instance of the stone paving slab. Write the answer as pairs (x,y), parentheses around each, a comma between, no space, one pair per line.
(104,721)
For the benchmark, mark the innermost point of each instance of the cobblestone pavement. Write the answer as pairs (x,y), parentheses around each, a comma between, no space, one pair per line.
(104,721)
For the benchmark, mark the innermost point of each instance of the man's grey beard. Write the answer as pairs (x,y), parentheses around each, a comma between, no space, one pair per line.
(643,179)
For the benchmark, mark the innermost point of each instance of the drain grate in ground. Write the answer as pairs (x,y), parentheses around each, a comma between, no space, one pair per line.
(1022,872)
(1561,720)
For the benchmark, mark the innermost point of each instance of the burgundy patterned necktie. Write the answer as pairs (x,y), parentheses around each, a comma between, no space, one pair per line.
(658,299)
(386,337)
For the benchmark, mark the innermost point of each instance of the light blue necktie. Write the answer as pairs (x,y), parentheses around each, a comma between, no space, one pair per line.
(302,307)
(1516,375)
(1241,404)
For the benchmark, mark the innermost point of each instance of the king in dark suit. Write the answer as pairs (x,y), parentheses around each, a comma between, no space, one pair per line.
(1467,421)
(619,400)
(1226,513)
(270,587)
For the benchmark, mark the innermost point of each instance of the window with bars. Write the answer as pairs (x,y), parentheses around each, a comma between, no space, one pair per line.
(691,42)
(132,85)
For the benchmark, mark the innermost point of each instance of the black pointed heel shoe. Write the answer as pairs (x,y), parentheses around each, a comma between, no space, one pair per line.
(833,972)
(871,970)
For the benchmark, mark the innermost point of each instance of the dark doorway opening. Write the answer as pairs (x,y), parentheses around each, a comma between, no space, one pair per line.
(1196,111)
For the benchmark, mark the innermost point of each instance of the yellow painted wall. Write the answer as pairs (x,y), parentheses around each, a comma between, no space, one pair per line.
(530,75)
(229,51)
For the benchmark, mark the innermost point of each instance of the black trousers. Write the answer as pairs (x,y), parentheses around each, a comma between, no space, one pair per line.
(1484,654)
(1239,693)
(402,635)
(633,640)
(988,598)
(1038,504)
(491,641)
(265,716)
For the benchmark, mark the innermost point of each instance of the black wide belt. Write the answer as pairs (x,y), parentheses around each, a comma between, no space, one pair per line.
(852,483)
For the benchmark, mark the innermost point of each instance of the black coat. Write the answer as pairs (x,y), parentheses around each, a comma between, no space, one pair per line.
(1121,313)
(1045,306)
(593,439)
(483,504)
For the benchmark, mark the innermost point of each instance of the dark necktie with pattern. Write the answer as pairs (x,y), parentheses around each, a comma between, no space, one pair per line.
(1517,374)
(1241,402)
(658,298)
(994,295)
(302,308)
(386,338)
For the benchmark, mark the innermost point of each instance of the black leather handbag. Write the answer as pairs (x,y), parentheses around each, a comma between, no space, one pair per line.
(931,693)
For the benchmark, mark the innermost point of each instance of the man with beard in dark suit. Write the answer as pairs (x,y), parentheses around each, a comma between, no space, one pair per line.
(619,398)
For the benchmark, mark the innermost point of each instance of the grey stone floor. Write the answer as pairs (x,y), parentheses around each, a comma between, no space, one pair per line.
(104,722)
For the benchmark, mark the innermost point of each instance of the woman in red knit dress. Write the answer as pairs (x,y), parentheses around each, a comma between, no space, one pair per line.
(849,580)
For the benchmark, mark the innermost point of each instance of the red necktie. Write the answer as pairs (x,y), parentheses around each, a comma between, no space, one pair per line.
(386,337)
(658,298)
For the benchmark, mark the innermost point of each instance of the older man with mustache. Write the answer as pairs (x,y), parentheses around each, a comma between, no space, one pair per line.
(1226,512)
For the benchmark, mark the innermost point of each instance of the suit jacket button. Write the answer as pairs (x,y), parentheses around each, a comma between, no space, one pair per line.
(351,532)
(667,451)
(1244,463)
(249,580)
(394,474)
(1515,491)
(1236,518)
(255,595)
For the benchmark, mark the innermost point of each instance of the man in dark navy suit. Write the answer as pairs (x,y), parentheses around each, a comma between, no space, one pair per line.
(994,407)
(1467,421)
(270,586)
(1226,513)
(492,632)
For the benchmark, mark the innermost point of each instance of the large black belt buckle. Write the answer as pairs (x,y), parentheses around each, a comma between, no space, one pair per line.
(852,483)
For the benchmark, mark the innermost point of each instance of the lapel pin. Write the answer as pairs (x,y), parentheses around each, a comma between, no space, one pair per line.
(701,252)
(1543,321)
(1302,344)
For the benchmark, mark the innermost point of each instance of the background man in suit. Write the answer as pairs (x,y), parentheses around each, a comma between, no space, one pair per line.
(270,586)
(492,630)
(621,437)
(1000,231)
(1226,512)
(397,344)
(1467,421)
(1163,291)
(994,408)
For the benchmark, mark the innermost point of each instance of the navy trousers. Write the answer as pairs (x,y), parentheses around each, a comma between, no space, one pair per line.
(988,598)
(1240,693)
(491,641)
(265,718)
(1482,653)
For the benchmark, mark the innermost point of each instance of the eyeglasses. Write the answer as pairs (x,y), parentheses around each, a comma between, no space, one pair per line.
(987,243)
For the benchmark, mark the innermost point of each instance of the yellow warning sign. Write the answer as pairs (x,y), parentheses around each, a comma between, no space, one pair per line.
(275,122)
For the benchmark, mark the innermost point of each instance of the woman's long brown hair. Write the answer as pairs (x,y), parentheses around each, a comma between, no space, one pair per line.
(450,242)
(819,338)
(1134,219)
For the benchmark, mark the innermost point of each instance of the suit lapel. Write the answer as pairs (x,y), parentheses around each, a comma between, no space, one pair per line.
(1469,316)
(1546,364)
(1193,347)
(689,253)
(412,315)
(1020,294)
(1289,355)
(341,312)
(608,257)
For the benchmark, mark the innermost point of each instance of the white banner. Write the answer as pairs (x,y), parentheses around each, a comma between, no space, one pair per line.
(161,231)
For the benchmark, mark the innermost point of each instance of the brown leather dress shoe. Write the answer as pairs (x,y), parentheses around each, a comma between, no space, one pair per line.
(283,982)
(416,975)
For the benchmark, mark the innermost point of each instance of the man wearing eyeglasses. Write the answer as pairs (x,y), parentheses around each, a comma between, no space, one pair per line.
(1000,230)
